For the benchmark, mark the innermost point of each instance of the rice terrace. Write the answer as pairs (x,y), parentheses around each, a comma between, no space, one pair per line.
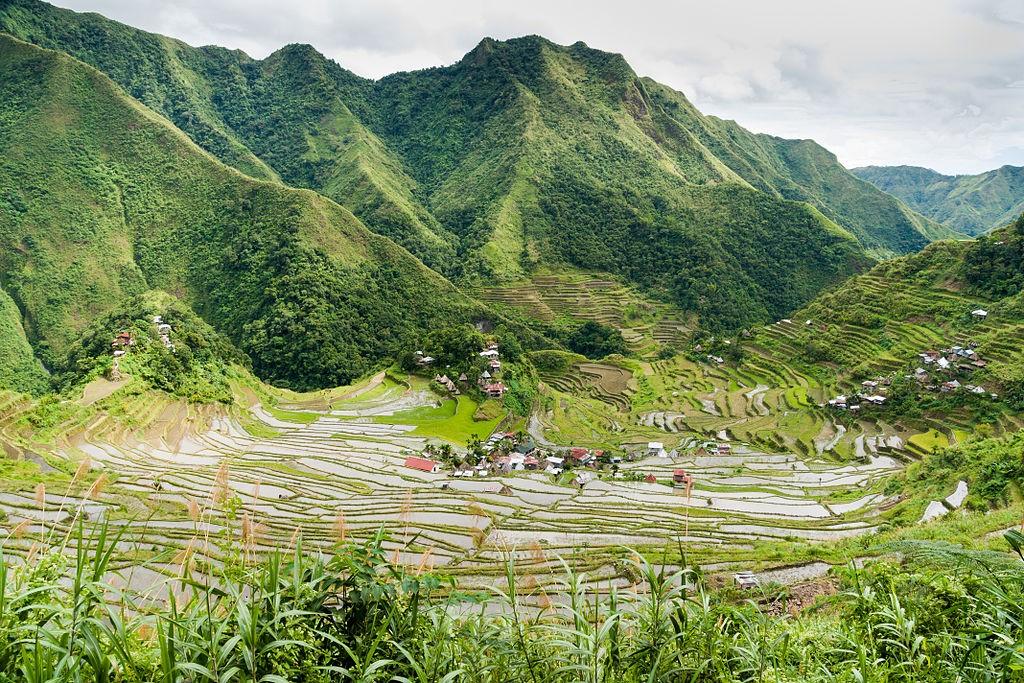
(524,367)
(771,469)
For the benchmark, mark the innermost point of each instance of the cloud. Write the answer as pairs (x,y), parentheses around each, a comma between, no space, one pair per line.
(876,81)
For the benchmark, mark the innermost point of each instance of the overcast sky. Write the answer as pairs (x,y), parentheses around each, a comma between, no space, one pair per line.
(935,83)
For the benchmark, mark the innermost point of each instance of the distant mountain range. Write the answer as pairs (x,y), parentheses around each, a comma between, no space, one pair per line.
(971,204)
(272,195)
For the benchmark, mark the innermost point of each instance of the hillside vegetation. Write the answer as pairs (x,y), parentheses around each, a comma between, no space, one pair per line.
(102,200)
(971,204)
(499,165)
(876,325)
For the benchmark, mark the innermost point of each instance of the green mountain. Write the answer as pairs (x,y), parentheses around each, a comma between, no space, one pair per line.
(538,156)
(495,167)
(283,118)
(971,204)
(523,158)
(803,170)
(19,367)
(102,199)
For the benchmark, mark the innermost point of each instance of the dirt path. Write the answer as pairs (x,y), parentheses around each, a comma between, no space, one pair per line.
(373,384)
(100,388)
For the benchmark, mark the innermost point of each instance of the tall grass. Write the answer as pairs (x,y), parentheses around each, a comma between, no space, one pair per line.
(352,615)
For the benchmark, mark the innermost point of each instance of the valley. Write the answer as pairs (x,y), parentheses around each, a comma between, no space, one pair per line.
(519,368)
(339,473)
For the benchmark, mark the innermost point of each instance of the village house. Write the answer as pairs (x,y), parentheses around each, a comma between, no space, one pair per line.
(495,390)
(656,449)
(526,446)
(582,456)
(422,464)
(445,382)
(122,340)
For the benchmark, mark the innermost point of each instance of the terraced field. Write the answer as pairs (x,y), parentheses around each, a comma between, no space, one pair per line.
(646,325)
(338,472)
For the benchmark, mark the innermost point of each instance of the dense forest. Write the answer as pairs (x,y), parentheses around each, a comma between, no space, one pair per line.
(522,156)
(292,279)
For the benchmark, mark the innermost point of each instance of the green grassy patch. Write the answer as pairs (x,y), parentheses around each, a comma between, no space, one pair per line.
(299,417)
(926,441)
(451,421)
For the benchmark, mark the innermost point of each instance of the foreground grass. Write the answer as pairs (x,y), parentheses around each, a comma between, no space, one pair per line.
(943,614)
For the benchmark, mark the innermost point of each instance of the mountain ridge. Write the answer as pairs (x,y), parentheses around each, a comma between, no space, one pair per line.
(524,155)
(115,201)
(970,203)
(415,229)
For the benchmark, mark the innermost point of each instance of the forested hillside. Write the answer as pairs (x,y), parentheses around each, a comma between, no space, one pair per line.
(102,199)
(971,204)
(524,157)
(500,164)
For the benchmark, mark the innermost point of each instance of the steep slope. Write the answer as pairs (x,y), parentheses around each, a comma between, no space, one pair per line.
(877,323)
(971,204)
(524,156)
(550,155)
(20,370)
(803,170)
(284,117)
(104,199)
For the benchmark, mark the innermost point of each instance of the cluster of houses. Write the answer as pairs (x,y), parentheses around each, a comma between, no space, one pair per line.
(940,370)
(508,452)
(873,392)
(448,384)
(946,366)
(488,381)
(125,340)
(505,453)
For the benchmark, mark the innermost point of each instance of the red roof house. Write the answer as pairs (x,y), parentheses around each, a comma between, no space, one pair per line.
(422,464)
